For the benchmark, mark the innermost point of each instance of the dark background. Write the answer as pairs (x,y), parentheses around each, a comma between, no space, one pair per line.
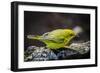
(37,23)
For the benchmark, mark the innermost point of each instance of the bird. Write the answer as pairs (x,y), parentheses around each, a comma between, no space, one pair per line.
(55,39)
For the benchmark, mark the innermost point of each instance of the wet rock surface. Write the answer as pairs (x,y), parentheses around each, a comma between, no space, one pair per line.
(75,51)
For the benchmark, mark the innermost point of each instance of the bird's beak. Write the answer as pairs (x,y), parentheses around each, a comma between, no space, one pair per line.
(76,36)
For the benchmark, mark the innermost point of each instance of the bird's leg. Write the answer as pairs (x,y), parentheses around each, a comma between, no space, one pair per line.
(68,42)
(66,47)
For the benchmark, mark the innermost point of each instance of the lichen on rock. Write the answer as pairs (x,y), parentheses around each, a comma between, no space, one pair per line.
(75,51)
(82,48)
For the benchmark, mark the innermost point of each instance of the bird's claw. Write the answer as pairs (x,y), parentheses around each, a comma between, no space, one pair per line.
(66,46)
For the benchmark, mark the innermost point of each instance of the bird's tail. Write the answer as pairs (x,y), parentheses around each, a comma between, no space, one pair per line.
(34,37)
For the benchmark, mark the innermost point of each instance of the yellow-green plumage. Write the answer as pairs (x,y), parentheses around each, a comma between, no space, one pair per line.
(55,39)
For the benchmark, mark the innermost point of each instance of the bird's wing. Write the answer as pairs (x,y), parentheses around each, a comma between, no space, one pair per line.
(55,40)
(48,36)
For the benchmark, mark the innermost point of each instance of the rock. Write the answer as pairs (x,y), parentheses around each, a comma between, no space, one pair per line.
(29,58)
(82,48)
(28,52)
(75,51)
(43,54)
(67,54)
(30,49)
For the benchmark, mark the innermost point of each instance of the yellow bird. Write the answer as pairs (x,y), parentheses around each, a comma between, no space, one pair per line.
(59,38)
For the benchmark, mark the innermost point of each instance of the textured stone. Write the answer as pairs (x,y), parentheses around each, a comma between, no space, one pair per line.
(75,51)
(82,48)
(66,54)
(43,54)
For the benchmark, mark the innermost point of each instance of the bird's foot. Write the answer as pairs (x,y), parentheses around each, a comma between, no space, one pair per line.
(66,46)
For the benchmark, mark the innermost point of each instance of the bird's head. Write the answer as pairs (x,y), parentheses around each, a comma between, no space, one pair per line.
(70,33)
